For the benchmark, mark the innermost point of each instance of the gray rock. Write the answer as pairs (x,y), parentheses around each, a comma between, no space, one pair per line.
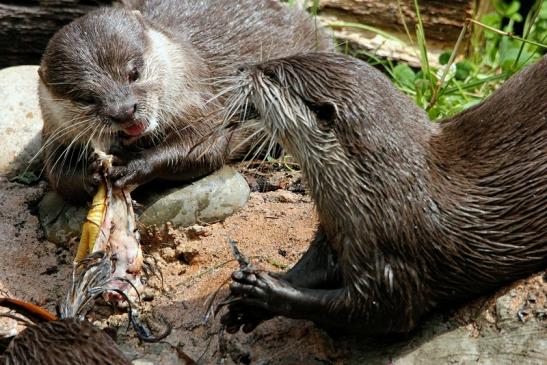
(506,316)
(525,345)
(20,119)
(154,354)
(209,199)
(60,220)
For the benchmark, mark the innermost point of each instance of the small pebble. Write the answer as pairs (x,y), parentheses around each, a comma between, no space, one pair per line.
(148,295)
(195,231)
(186,253)
(168,254)
(142,362)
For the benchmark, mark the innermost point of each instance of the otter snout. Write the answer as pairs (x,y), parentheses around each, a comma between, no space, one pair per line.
(124,112)
(123,116)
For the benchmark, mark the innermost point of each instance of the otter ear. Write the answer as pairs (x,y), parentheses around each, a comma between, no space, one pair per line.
(325,113)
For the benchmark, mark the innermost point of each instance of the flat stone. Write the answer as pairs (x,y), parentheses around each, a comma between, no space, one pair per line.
(60,220)
(210,199)
(506,310)
(525,344)
(20,120)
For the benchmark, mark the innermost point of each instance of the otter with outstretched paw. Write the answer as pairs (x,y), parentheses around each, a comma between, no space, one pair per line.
(142,83)
(412,214)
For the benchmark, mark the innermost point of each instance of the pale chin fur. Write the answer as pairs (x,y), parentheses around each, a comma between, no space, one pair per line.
(55,108)
(152,125)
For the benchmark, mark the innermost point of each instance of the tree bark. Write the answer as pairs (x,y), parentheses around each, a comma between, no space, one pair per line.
(442,19)
(26,26)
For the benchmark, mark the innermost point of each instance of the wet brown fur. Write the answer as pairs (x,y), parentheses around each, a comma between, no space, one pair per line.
(65,341)
(84,80)
(413,214)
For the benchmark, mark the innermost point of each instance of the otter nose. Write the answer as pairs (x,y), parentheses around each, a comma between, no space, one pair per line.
(123,113)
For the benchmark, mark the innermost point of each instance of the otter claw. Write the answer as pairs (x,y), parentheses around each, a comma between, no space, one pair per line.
(252,284)
(244,317)
(136,172)
(254,290)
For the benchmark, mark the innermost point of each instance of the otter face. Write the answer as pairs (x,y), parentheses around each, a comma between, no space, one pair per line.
(97,81)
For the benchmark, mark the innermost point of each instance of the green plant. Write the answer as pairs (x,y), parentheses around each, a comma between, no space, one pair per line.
(462,82)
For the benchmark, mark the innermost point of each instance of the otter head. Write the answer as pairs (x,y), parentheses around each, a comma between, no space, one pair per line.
(110,75)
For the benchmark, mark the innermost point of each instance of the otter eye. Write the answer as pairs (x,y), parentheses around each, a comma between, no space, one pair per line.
(85,100)
(133,75)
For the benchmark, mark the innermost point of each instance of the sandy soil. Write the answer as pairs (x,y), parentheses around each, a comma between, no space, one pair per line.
(273,230)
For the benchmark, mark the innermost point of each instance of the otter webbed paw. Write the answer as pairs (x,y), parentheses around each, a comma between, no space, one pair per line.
(134,172)
(260,296)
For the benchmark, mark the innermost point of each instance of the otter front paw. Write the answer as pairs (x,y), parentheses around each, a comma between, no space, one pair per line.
(93,177)
(134,172)
(260,295)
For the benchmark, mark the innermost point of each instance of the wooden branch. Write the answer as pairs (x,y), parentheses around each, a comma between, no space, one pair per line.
(26,26)
(443,19)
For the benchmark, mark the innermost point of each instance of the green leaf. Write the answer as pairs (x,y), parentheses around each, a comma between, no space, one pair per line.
(422,88)
(463,70)
(506,9)
(27,178)
(434,113)
(404,75)
(516,17)
(493,20)
(543,11)
(444,57)
(509,53)
(471,103)
(512,8)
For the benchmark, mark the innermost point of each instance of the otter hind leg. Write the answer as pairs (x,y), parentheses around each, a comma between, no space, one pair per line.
(317,268)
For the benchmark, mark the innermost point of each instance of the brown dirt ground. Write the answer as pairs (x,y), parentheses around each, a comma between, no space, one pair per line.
(273,230)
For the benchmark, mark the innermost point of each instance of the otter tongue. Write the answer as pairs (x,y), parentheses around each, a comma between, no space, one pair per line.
(135,129)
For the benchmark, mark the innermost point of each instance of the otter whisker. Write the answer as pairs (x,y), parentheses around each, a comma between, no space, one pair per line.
(55,136)
(22,320)
(68,150)
(220,94)
(52,154)
(83,153)
(256,151)
(256,132)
